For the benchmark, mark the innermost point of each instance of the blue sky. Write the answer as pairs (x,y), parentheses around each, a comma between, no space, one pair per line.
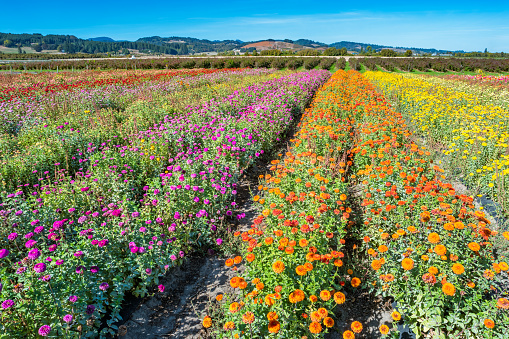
(456,25)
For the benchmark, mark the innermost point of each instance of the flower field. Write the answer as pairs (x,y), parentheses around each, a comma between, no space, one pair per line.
(109,180)
(408,235)
(471,132)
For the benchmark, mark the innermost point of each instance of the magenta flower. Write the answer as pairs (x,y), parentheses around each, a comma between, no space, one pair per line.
(7,304)
(161,288)
(44,330)
(73,298)
(84,189)
(40,267)
(68,318)
(104,286)
(34,254)
(219,241)
(3,253)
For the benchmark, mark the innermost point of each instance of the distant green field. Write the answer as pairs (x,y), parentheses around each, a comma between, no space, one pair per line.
(28,50)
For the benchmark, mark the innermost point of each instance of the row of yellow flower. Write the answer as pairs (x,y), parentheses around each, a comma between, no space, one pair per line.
(472,135)
(430,249)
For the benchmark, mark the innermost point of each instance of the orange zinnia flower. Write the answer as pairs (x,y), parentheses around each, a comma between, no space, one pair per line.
(274,326)
(301,270)
(228,326)
(458,269)
(440,249)
(489,323)
(315,327)
(396,316)
(278,267)
(355,282)
(448,289)
(503,303)
(234,307)
(235,281)
(356,327)
(339,298)
(348,335)
(434,238)
(207,322)
(272,316)
(325,295)
(328,321)
(407,264)
(474,246)
(248,318)
(250,257)
(384,329)
(382,248)
(296,296)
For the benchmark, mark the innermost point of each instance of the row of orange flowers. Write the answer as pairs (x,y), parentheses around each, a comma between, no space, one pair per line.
(430,248)
(295,275)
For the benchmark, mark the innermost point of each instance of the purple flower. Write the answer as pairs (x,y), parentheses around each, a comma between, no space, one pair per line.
(44,330)
(78,254)
(219,241)
(12,236)
(84,189)
(82,219)
(116,213)
(135,214)
(181,253)
(3,253)
(73,298)
(172,227)
(21,270)
(34,254)
(30,243)
(90,309)
(71,210)
(148,271)
(104,286)
(59,262)
(40,267)
(176,215)
(160,288)
(134,249)
(45,278)
(39,229)
(7,304)
(94,269)
(68,318)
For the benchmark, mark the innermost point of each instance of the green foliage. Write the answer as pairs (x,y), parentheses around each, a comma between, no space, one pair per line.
(309,52)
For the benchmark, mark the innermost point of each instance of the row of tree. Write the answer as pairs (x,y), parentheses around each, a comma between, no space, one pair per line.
(72,44)
(174,63)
